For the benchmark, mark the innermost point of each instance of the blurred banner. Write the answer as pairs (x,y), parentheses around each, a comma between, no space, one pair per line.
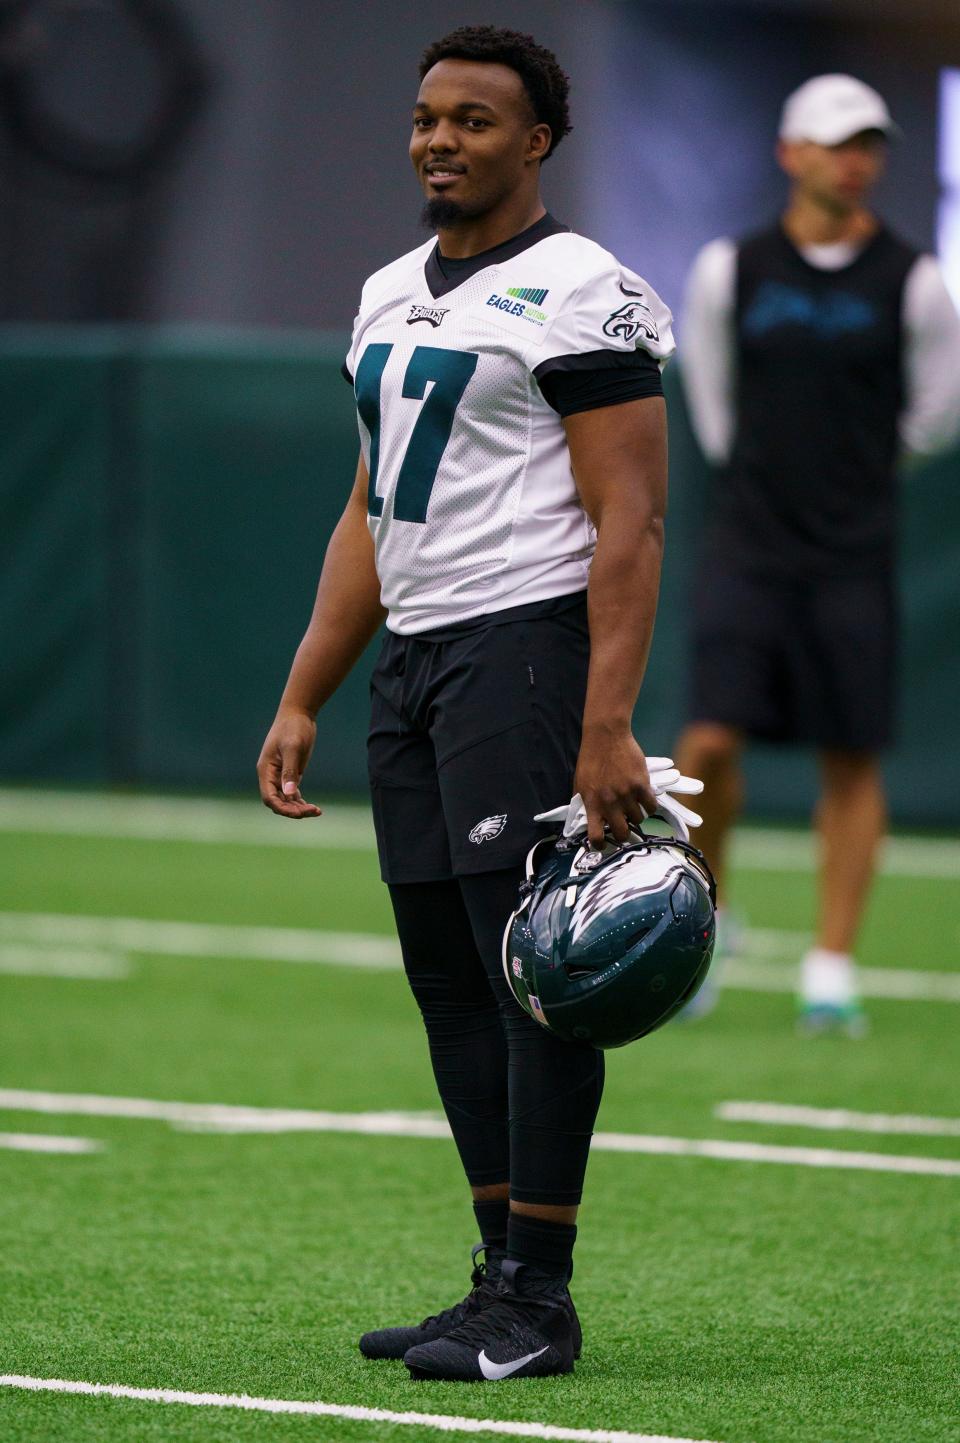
(168,497)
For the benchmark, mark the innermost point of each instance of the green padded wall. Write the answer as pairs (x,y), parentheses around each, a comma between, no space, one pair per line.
(166,500)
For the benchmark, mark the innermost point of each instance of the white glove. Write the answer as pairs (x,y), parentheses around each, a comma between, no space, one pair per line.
(664,780)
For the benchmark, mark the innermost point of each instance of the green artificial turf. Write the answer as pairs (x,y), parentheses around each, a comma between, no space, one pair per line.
(745,1303)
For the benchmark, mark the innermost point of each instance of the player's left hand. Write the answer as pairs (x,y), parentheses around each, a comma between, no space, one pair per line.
(613,780)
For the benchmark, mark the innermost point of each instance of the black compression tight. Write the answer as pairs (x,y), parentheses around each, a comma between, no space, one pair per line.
(520,1103)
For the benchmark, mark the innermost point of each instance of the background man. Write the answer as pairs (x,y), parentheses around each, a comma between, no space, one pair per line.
(813,351)
(507,520)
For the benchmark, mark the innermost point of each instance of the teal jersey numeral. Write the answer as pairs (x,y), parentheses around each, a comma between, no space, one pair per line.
(366,385)
(450,372)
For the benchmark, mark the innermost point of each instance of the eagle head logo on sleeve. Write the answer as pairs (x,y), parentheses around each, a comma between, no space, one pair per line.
(629,321)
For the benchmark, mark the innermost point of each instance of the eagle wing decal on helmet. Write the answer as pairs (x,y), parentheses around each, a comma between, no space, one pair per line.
(623,879)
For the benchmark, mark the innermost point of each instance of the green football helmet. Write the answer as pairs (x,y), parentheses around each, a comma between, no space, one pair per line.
(605,946)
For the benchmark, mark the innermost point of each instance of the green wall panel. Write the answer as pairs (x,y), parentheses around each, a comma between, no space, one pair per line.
(166,500)
(246,464)
(59,519)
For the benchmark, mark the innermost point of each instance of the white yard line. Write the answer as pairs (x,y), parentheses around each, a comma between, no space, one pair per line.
(770,944)
(43,1142)
(838,1119)
(442,1422)
(200,939)
(74,963)
(349,828)
(224,1117)
(181,819)
(65,934)
(759,849)
(890,983)
(722,1151)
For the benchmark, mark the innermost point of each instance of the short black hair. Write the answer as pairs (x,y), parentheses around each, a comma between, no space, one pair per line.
(547,86)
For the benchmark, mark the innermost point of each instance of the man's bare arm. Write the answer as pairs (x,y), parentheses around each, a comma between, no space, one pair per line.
(346,613)
(619,456)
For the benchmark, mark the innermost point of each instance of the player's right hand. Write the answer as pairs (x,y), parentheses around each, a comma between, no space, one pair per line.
(283,762)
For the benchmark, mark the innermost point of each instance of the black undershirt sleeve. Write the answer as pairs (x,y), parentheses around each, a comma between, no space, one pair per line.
(594,379)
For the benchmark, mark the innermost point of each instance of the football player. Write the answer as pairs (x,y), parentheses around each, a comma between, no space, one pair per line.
(816,349)
(507,522)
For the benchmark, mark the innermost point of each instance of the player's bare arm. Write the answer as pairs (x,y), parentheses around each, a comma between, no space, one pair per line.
(346,613)
(619,456)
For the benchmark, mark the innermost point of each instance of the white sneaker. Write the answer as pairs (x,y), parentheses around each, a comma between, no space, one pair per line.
(828,999)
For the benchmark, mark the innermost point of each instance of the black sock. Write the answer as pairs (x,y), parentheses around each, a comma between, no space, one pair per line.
(492,1221)
(540,1244)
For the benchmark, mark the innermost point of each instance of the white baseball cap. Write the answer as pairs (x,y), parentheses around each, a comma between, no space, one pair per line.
(829,109)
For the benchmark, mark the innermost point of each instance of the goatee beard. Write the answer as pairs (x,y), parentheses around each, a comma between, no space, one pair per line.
(442,214)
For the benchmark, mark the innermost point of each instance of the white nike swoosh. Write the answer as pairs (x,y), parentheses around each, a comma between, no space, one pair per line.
(495,1371)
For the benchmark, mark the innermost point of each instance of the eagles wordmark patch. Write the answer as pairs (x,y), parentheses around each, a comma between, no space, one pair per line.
(486,830)
(432,314)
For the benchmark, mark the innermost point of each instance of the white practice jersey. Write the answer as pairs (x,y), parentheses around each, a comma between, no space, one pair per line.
(472,503)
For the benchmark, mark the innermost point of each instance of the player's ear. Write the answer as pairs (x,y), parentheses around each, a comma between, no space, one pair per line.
(787,157)
(541,138)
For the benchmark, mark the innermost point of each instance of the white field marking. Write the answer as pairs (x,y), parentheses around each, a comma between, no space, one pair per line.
(442,1422)
(890,983)
(350,828)
(181,819)
(758,849)
(201,939)
(377,952)
(43,1142)
(838,1119)
(223,1117)
(770,943)
(722,1151)
(74,963)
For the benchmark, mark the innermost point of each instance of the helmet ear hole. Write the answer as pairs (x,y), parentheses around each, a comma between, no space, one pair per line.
(631,942)
(576,970)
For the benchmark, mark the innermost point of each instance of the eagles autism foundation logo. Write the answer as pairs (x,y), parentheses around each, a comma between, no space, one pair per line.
(524,302)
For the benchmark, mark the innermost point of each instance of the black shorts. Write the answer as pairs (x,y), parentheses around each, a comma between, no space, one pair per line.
(473,730)
(788,660)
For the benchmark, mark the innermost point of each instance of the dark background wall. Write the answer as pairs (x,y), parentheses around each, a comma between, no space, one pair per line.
(682,131)
(149,476)
(290,182)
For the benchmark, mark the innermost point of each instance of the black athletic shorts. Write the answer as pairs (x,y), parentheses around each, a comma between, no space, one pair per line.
(474,729)
(796,660)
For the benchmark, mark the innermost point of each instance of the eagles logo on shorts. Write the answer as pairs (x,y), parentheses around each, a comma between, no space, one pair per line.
(489,828)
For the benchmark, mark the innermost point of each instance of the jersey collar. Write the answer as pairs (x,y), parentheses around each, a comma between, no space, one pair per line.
(444,273)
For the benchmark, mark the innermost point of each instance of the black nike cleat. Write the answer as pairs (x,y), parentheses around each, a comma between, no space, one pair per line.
(395,1342)
(528,1332)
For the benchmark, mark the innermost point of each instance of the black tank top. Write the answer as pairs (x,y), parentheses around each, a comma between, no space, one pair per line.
(810,486)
